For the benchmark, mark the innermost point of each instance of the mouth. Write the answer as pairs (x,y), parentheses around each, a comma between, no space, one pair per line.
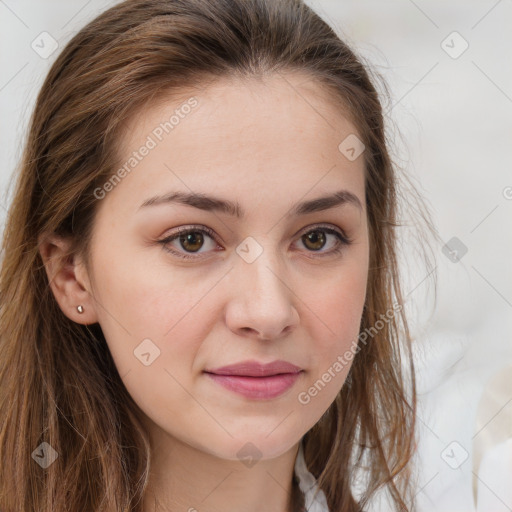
(255,380)
(257,387)
(254,368)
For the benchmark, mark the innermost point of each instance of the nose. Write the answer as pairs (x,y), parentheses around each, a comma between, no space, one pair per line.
(261,302)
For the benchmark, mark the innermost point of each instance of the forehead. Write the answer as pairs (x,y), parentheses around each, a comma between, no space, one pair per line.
(273,131)
(294,99)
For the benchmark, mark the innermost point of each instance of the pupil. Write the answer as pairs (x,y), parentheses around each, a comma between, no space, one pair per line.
(313,237)
(194,239)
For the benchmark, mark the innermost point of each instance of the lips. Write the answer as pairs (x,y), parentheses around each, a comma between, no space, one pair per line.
(256,369)
(257,381)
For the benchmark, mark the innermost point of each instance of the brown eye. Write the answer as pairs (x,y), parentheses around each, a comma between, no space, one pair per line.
(325,241)
(314,240)
(192,241)
(189,242)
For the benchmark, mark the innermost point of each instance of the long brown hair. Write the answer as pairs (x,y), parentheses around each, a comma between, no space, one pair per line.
(58,381)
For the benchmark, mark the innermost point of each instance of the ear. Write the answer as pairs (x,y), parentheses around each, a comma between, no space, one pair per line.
(68,279)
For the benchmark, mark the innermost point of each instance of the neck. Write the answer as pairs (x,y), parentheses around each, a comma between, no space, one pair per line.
(187,479)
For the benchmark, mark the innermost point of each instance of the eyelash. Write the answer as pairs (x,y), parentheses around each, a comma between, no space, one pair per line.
(343,240)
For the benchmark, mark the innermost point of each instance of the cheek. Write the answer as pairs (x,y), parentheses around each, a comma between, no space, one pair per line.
(158,323)
(340,317)
(339,306)
(147,309)
(334,325)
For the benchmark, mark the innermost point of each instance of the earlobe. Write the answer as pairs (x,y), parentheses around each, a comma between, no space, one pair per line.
(68,279)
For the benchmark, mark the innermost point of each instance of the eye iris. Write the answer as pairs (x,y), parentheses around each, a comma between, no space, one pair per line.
(195,238)
(314,237)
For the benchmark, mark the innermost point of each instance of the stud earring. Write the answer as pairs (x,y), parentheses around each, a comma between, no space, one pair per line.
(80,309)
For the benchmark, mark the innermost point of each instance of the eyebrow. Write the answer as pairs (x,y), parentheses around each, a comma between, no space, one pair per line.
(211,203)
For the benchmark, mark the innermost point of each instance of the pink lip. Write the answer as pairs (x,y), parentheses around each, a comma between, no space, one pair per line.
(255,369)
(255,380)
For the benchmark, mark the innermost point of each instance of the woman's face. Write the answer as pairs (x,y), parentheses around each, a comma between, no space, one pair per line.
(265,273)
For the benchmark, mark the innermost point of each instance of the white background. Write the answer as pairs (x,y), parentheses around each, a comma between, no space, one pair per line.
(452,121)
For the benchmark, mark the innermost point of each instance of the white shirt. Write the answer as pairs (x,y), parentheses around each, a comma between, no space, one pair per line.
(308,485)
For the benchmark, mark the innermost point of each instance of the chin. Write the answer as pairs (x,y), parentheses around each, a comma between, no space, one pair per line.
(251,448)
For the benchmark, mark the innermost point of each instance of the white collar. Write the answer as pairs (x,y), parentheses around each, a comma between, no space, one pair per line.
(308,485)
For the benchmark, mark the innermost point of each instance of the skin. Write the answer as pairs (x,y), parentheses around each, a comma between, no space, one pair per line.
(267,145)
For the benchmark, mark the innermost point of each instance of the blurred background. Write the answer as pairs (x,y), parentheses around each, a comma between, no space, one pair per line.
(448,69)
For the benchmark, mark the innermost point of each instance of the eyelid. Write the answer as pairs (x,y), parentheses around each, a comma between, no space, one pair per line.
(192,227)
(327,227)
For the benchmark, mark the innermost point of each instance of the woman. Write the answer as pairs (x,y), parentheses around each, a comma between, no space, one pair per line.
(200,303)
